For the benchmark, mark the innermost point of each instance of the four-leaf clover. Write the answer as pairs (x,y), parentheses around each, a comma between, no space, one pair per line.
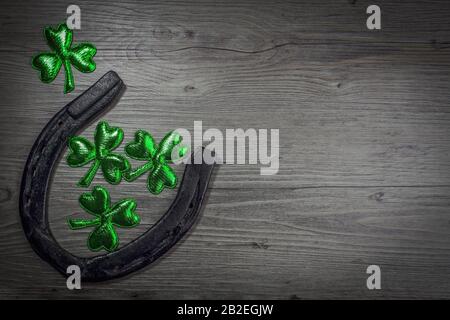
(82,152)
(158,157)
(106,217)
(49,63)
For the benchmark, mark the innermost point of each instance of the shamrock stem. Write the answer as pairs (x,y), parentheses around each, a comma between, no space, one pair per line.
(82,223)
(89,176)
(69,83)
(134,174)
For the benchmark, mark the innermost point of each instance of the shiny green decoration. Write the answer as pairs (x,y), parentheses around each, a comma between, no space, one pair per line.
(49,63)
(158,158)
(82,152)
(106,217)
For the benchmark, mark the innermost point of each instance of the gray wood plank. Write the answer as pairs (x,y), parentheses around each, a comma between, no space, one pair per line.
(364,144)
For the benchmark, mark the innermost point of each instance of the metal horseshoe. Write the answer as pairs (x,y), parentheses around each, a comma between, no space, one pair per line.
(36,181)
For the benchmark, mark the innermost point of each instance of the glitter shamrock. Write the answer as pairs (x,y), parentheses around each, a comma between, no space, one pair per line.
(49,63)
(82,152)
(106,217)
(158,159)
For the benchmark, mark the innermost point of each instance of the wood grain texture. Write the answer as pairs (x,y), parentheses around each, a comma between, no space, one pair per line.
(364,124)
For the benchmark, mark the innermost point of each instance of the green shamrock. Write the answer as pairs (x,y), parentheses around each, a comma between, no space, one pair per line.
(82,152)
(158,157)
(98,204)
(49,63)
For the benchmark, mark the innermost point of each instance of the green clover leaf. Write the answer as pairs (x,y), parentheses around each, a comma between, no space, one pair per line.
(82,152)
(49,63)
(158,159)
(143,147)
(98,203)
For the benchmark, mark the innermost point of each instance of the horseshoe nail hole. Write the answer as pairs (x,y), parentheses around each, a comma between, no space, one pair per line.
(191,205)
(176,230)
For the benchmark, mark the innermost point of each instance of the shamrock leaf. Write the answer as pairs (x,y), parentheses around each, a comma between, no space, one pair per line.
(81,57)
(98,203)
(162,176)
(103,237)
(123,213)
(112,167)
(60,42)
(49,64)
(82,152)
(167,145)
(158,157)
(107,138)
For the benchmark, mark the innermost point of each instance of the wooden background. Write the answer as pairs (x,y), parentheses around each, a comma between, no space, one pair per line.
(364,120)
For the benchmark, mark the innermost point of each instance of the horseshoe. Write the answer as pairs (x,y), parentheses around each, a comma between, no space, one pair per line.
(36,181)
